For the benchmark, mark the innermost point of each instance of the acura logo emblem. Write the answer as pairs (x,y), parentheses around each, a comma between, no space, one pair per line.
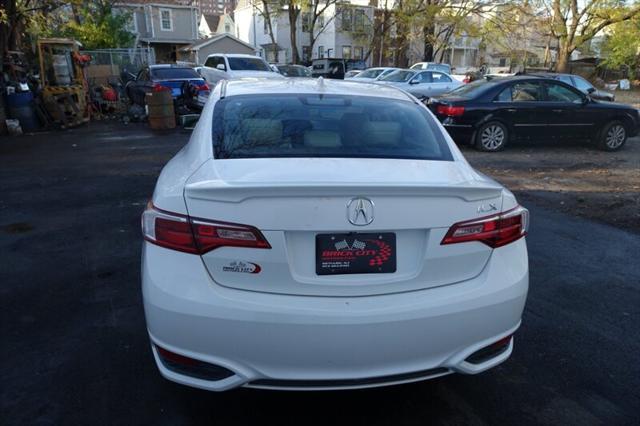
(360,211)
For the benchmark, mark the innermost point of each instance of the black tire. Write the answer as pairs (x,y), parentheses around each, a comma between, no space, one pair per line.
(613,136)
(492,137)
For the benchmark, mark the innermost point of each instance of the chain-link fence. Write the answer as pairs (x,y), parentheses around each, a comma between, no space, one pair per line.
(130,59)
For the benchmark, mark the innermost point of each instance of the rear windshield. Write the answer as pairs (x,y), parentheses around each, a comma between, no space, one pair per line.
(173,73)
(398,76)
(472,90)
(247,64)
(270,126)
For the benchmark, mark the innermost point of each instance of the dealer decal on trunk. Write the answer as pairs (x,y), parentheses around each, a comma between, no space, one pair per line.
(245,267)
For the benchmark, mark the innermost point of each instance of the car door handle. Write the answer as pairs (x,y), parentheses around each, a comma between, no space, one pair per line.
(557,110)
(511,109)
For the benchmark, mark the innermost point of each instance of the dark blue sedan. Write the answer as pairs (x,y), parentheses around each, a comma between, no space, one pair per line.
(183,82)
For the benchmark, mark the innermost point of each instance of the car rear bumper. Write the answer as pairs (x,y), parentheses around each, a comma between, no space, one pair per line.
(305,342)
(461,133)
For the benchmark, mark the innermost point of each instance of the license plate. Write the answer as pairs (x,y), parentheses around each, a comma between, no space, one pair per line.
(355,253)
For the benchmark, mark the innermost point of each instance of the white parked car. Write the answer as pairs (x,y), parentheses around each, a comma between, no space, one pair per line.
(229,66)
(421,84)
(372,74)
(323,234)
(432,66)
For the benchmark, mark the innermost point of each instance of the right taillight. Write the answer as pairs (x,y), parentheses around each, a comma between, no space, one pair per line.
(196,236)
(494,231)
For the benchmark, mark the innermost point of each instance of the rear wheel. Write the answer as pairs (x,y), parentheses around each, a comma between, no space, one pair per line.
(613,136)
(492,137)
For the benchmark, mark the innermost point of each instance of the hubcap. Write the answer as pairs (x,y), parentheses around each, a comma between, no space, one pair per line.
(615,136)
(492,137)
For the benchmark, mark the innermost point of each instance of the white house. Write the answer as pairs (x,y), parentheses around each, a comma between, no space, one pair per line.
(344,31)
(211,25)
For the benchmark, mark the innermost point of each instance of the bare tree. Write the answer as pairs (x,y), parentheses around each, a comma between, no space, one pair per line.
(316,17)
(575,22)
(269,10)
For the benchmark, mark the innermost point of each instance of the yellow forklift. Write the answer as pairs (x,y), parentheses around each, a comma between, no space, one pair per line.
(64,89)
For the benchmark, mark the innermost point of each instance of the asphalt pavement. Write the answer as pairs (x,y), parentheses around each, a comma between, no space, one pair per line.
(74,344)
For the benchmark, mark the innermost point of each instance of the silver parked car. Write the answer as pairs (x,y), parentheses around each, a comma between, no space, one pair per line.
(372,74)
(421,84)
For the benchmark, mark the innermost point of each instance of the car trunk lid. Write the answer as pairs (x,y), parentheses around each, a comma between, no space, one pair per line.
(413,202)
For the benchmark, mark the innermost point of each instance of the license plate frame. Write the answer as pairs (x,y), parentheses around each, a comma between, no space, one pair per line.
(355,253)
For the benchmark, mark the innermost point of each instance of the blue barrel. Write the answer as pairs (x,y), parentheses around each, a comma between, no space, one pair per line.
(20,106)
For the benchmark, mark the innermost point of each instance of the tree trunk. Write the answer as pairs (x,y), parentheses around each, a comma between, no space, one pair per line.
(562,62)
(266,14)
(293,30)
(427,34)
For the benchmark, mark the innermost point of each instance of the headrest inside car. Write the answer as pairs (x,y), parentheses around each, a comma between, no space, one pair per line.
(382,133)
(322,139)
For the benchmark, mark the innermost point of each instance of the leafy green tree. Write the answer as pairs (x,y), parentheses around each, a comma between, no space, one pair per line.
(621,47)
(96,26)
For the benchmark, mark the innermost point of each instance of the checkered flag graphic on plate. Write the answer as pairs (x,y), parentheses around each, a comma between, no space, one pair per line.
(359,245)
(341,245)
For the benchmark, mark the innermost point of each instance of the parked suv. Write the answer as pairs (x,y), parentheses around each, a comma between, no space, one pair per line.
(232,66)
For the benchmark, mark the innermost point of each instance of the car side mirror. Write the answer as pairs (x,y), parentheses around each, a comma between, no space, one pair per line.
(591,90)
(221,67)
(414,82)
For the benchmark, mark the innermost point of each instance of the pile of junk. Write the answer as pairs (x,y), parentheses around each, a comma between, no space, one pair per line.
(65,89)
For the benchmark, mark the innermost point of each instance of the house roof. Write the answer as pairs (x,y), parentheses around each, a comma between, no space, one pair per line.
(160,3)
(207,41)
(212,21)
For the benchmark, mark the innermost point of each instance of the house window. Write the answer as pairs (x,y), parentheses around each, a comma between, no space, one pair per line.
(359,20)
(357,52)
(227,28)
(306,22)
(166,21)
(346,52)
(306,53)
(346,18)
(265,24)
(320,52)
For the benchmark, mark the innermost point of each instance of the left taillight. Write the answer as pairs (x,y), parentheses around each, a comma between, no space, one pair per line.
(202,87)
(495,231)
(450,111)
(197,236)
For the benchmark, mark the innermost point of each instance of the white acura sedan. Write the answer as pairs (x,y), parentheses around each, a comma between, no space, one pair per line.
(321,234)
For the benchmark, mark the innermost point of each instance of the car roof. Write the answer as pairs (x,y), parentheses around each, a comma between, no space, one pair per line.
(252,86)
(159,66)
(234,55)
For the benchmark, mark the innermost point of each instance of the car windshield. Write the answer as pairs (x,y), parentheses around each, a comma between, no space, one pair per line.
(399,76)
(372,73)
(439,67)
(310,125)
(471,90)
(173,73)
(247,64)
